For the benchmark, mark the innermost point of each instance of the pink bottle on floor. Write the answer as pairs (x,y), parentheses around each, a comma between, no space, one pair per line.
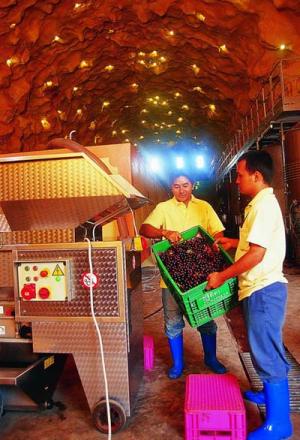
(148,353)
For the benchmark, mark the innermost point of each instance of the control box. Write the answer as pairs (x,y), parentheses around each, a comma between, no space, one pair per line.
(44,280)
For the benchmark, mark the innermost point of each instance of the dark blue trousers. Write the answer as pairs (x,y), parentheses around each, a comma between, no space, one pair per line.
(264,312)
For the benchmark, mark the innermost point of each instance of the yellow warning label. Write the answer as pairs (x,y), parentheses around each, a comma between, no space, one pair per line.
(58,272)
(48,362)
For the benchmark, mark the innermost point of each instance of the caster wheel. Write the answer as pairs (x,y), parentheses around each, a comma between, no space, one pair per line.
(117,415)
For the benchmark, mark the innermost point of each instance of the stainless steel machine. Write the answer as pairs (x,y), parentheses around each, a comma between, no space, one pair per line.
(45,278)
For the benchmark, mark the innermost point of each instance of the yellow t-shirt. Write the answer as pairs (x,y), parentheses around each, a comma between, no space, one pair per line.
(176,216)
(263,225)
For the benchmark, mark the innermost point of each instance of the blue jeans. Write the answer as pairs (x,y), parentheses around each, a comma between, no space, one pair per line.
(264,313)
(173,316)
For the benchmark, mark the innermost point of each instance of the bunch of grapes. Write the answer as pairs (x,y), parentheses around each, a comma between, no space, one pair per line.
(191,261)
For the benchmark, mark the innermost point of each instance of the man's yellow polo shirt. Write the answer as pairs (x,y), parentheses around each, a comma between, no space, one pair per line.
(176,216)
(263,225)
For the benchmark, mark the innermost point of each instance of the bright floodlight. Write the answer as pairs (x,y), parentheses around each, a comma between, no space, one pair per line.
(199,162)
(154,164)
(179,163)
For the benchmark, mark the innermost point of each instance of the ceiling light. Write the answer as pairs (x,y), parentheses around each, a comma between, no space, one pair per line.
(11,61)
(109,67)
(179,162)
(45,124)
(199,162)
(48,84)
(200,16)
(84,64)
(57,39)
(223,48)
(154,164)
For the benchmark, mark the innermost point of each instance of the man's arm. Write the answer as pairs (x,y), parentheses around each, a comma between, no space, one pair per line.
(150,231)
(226,242)
(254,256)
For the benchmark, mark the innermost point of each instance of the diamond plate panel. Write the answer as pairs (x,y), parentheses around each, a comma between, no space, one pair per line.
(91,376)
(6,269)
(81,340)
(71,337)
(42,236)
(54,178)
(106,295)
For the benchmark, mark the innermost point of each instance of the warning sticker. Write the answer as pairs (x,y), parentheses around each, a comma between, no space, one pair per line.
(88,279)
(58,272)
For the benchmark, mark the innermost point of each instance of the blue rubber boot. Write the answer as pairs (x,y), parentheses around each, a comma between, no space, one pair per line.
(176,347)
(257,397)
(209,343)
(277,425)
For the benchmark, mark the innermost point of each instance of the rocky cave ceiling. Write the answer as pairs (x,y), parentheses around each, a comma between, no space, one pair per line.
(148,71)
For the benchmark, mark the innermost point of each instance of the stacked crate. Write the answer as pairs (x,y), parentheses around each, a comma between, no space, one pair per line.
(214,408)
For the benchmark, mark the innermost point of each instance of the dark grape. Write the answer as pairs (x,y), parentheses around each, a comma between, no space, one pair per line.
(191,261)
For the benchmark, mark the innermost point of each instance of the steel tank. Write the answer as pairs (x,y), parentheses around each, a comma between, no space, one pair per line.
(292,156)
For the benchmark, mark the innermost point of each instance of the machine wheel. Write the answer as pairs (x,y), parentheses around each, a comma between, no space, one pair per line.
(117,415)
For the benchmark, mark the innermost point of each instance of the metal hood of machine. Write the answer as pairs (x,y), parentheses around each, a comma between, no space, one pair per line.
(56,190)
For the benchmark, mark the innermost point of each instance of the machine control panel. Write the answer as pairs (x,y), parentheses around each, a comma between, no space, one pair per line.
(44,280)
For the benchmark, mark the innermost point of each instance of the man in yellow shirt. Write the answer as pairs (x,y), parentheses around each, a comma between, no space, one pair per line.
(262,289)
(168,220)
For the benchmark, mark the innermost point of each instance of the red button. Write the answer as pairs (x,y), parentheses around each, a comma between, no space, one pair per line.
(44,273)
(9,311)
(44,293)
(28,291)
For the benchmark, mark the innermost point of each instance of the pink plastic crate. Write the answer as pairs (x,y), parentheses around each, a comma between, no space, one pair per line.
(148,352)
(214,408)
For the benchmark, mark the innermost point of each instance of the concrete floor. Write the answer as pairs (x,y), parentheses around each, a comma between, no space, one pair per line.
(159,409)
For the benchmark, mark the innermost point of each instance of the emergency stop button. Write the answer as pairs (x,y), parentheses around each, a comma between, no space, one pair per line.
(28,291)
(44,273)
(44,293)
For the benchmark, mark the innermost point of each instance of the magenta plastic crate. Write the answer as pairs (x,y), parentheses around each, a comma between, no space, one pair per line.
(214,408)
(148,352)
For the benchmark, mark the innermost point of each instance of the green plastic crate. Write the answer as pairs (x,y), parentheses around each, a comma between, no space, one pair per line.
(199,305)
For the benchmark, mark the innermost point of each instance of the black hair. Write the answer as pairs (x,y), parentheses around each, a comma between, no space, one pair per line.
(173,176)
(259,161)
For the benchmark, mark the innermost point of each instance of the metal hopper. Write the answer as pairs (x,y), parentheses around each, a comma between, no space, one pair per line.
(42,194)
